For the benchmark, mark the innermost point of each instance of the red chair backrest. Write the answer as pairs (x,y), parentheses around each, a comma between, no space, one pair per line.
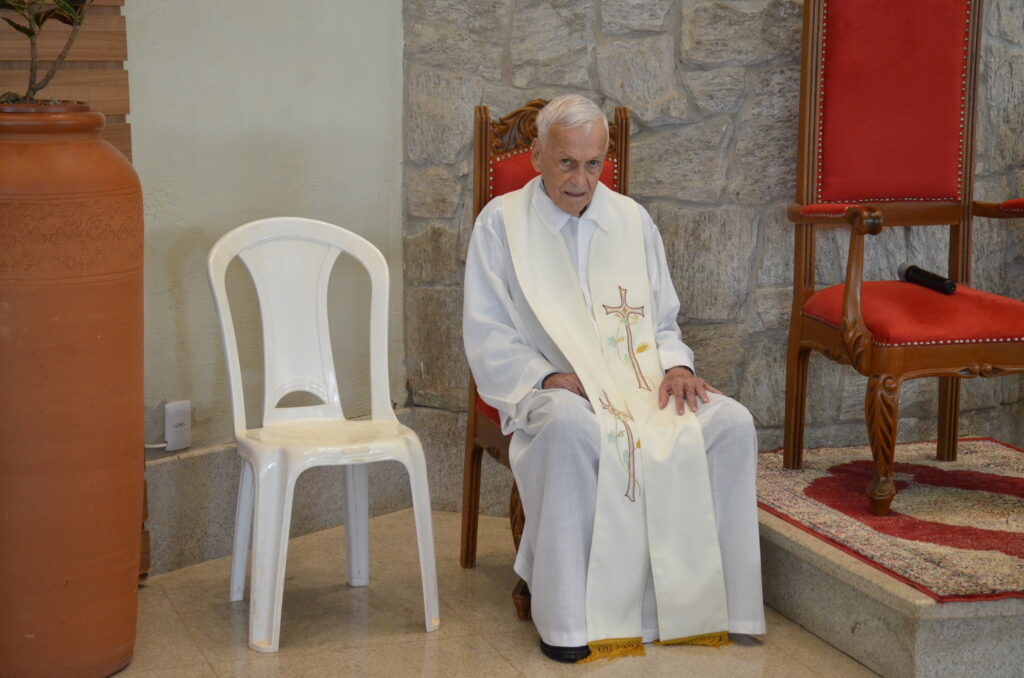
(511,171)
(893,100)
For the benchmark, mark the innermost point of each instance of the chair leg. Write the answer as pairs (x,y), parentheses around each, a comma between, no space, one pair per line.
(949,417)
(357,525)
(271,527)
(470,502)
(243,533)
(796,405)
(881,411)
(417,468)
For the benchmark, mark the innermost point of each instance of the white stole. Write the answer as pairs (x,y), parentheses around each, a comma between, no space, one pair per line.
(654,502)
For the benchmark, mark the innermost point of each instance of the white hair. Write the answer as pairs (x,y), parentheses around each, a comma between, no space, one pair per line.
(569,110)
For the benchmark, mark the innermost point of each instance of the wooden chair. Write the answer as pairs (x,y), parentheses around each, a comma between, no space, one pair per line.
(887,139)
(501,163)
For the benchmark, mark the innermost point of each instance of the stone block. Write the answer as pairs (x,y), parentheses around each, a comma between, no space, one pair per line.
(883,253)
(466,37)
(980,393)
(431,191)
(763,385)
(928,247)
(501,100)
(683,162)
(717,32)
(777,247)
(718,354)
(772,308)
(1000,133)
(640,73)
(551,42)
(443,435)
(988,245)
(625,16)
(918,398)
(439,114)
(710,255)
(1004,19)
(716,91)
(432,255)
(763,164)
(435,360)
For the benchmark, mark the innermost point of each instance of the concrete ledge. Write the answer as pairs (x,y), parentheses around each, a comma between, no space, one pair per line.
(888,626)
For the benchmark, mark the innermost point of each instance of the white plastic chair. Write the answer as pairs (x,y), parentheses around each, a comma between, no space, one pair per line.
(290,260)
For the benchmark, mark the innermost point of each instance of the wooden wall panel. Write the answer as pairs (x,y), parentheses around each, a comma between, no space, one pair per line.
(106,90)
(94,71)
(102,38)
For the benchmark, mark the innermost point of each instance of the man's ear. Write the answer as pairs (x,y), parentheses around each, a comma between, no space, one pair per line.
(535,153)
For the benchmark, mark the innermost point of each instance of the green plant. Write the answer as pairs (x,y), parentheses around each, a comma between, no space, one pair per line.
(35,13)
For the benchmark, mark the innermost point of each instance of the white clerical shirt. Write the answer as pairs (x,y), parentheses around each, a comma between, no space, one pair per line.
(508,350)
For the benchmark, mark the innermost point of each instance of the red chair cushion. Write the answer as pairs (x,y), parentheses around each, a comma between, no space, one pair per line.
(904,314)
(511,171)
(488,411)
(891,85)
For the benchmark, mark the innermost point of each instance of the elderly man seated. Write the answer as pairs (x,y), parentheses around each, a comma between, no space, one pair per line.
(637,476)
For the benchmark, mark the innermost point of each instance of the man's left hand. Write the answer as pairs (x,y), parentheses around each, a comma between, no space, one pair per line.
(686,387)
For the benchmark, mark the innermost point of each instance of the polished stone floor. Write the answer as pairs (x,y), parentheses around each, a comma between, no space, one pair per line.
(188,629)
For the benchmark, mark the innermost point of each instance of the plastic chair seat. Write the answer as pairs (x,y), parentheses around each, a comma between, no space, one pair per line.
(345,436)
(904,314)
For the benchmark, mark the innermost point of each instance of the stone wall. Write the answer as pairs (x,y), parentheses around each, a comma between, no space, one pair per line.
(713,89)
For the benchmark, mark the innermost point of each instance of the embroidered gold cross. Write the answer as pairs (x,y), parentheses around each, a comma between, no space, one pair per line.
(624,418)
(624,311)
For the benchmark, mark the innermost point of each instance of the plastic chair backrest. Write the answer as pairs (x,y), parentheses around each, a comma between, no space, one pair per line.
(290,260)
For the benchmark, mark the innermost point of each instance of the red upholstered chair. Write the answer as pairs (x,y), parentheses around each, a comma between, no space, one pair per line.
(501,163)
(887,139)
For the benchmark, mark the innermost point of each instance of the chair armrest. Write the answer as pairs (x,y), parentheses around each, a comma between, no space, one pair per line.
(855,334)
(1008,209)
(821,213)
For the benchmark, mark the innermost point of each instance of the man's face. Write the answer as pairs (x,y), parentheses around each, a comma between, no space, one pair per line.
(570,162)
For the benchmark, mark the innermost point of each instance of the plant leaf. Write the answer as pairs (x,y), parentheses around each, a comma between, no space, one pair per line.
(13,5)
(70,12)
(27,30)
(41,18)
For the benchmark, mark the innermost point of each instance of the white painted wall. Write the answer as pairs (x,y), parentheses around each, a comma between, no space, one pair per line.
(243,110)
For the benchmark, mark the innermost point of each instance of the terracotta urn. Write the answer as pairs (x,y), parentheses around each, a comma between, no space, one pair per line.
(71,404)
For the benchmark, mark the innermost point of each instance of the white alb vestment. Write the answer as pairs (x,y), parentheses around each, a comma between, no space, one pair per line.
(556,442)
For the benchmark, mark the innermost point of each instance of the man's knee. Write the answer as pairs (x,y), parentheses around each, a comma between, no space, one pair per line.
(570,420)
(725,417)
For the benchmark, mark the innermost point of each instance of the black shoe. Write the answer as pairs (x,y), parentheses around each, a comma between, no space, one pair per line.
(566,655)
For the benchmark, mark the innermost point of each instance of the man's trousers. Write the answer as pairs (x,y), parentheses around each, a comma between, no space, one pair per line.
(555,454)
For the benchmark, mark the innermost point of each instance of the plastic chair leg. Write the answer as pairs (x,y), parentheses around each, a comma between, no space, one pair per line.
(357,526)
(417,468)
(274,488)
(243,533)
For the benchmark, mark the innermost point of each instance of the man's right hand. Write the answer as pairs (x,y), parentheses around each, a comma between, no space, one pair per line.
(567,380)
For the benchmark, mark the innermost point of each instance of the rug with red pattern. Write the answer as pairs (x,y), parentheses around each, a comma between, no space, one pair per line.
(956,531)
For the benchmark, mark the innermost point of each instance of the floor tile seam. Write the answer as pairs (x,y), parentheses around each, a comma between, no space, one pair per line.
(498,653)
(181,624)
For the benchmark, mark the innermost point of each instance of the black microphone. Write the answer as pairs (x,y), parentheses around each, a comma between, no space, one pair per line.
(933,281)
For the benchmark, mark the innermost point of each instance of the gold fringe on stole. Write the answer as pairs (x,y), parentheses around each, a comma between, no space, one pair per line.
(611,648)
(717,639)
